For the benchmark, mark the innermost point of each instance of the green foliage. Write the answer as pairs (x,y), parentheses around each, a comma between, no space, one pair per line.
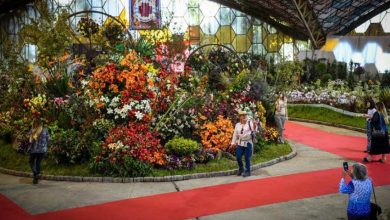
(113,31)
(321,69)
(181,146)
(326,77)
(16,82)
(58,86)
(286,75)
(129,168)
(65,146)
(386,80)
(145,48)
(51,33)
(384,96)
(342,71)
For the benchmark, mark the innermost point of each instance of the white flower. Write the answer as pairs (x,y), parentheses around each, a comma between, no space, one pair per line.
(84,82)
(139,115)
(110,111)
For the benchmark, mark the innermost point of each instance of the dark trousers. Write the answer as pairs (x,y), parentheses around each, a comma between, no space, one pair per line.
(357,218)
(247,151)
(369,135)
(35,163)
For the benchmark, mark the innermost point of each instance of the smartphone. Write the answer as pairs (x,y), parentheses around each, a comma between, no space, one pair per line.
(345,166)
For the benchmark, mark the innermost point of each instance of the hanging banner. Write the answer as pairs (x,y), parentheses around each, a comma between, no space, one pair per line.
(144,14)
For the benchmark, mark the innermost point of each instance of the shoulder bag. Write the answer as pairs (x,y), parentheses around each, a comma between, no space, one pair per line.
(253,133)
(376,210)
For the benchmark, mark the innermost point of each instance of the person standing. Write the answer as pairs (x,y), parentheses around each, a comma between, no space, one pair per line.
(243,141)
(380,137)
(281,115)
(359,190)
(39,141)
(370,113)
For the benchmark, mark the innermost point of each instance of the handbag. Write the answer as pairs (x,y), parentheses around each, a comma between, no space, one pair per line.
(378,133)
(253,134)
(376,210)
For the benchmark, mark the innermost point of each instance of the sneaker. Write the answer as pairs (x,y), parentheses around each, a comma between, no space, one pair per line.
(35,180)
(246,174)
(239,172)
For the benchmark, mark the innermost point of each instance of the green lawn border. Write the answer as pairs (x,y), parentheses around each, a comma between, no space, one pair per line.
(171,178)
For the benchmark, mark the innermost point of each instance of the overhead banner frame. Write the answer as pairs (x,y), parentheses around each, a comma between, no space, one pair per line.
(145,14)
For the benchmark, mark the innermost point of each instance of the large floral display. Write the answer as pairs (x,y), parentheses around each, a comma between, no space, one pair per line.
(128,109)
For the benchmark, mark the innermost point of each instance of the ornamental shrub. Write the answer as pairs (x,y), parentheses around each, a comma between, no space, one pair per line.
(181,146)
(128,167)
(65,148)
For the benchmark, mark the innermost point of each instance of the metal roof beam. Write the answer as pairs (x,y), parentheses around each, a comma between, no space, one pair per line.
(364,18)
(312,25)
(259,13)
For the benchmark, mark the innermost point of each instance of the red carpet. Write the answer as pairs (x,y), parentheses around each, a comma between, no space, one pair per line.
(345,146)
(10,211)
(234,196)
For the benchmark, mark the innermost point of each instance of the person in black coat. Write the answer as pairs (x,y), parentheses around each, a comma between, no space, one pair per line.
(380,137)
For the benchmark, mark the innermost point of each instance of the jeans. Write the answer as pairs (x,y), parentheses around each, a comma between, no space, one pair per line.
(369,135)
(247,151)
(280,120)
(35,163)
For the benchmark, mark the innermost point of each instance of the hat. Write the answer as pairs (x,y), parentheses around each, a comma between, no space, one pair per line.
(242,112)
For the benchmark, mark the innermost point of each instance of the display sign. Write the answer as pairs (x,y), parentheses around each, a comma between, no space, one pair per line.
(145,14)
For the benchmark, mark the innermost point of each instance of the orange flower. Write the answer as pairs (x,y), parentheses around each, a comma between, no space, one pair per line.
(202,117)
(100,105)
(216,135)
(114,88)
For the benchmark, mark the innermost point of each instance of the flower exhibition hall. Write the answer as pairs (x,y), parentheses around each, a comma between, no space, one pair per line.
(194,109)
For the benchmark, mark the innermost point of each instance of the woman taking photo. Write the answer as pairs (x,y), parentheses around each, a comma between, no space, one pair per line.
(359,190)
(280,115)
(380,137)
(39,140)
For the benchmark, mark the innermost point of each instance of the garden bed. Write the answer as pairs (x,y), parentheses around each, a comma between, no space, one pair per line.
(14,163)
(325,115)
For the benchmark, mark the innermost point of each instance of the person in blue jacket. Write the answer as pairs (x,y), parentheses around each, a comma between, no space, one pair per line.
(359,190)
(39,138)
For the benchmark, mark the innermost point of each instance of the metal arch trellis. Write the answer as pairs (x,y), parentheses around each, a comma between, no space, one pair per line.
(102,13)
(216,45)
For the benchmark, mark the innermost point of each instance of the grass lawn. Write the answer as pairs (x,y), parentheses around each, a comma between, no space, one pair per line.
(266,154)
(10,159)
(325,115)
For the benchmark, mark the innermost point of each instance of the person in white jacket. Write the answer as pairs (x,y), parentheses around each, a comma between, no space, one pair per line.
(243,141)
